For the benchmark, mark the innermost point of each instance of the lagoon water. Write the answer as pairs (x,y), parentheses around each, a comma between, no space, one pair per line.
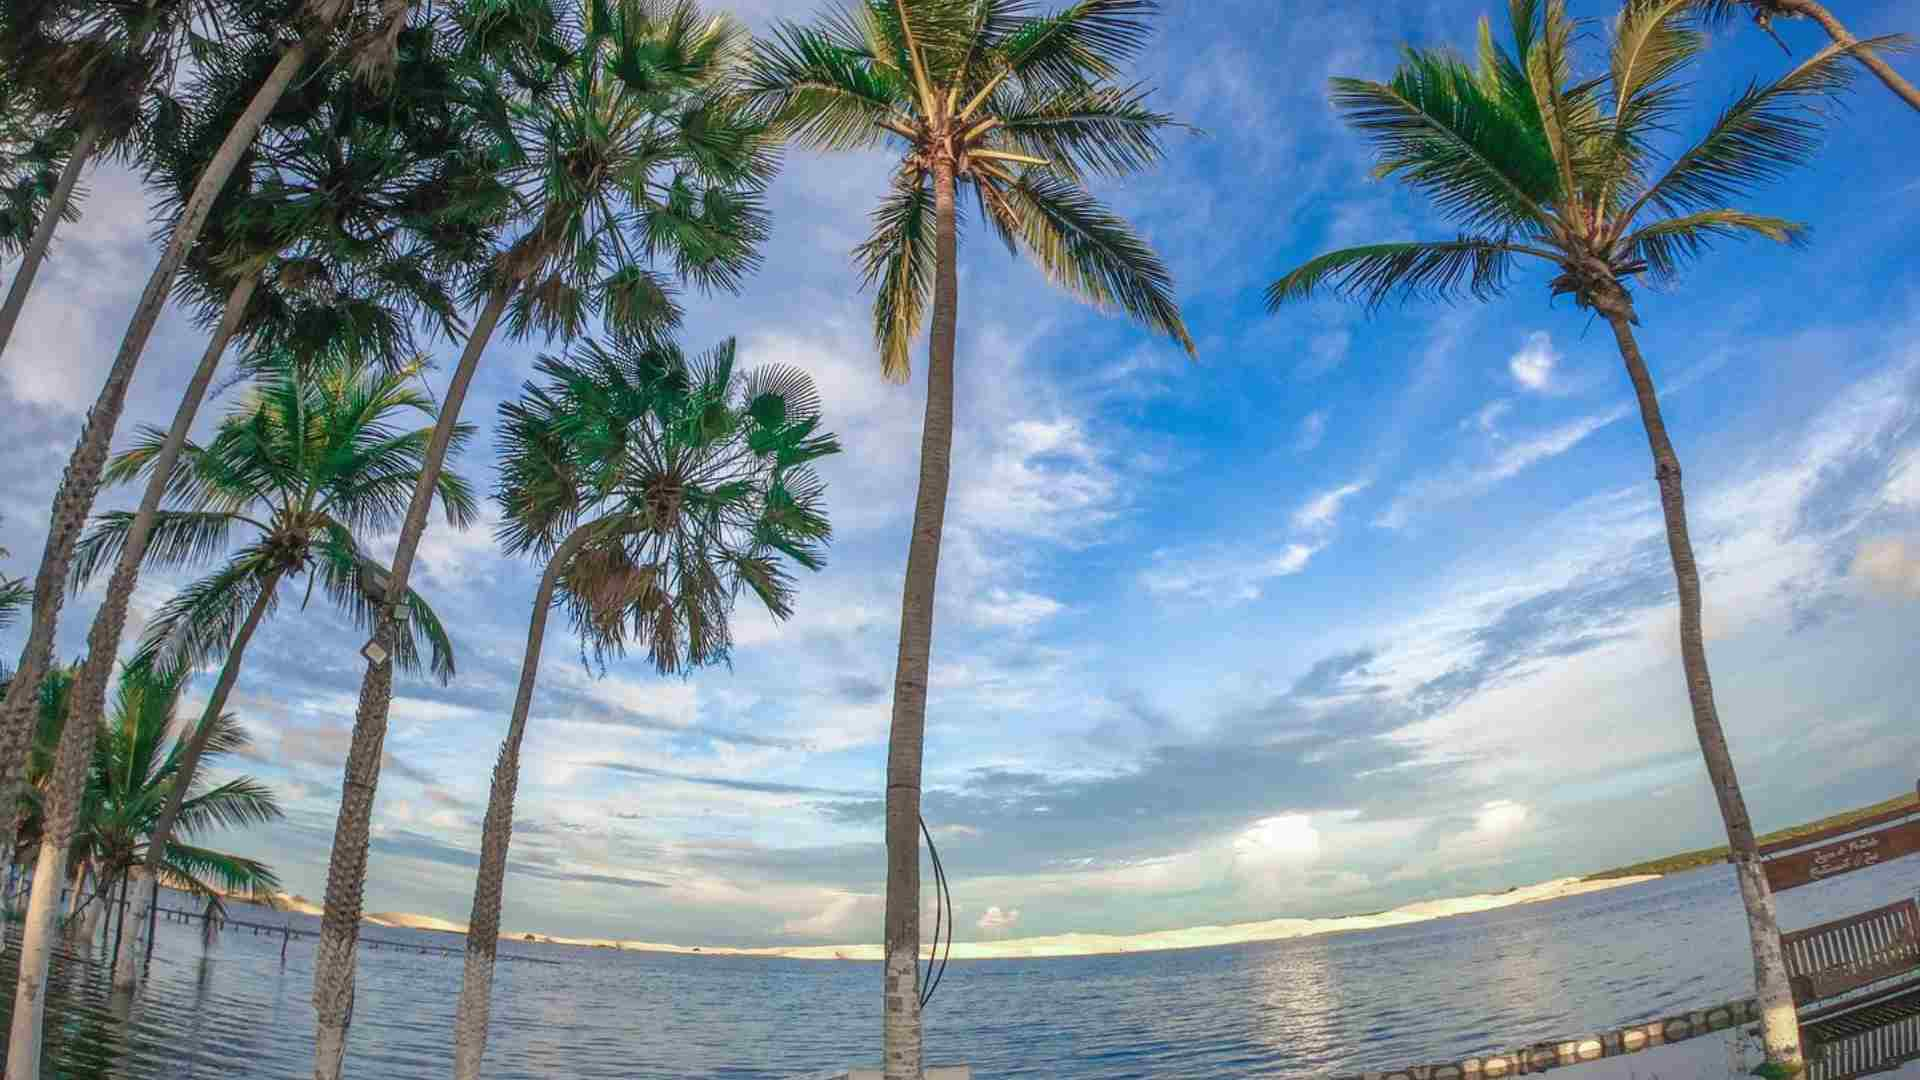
(1373,999)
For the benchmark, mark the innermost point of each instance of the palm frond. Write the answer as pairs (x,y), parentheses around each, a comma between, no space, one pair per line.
(212,874)
(15,595)
(1768,130)
(236,804)
(1087,42)
(196,625)
(1436,127)
(897,261)
(819,90)
(1094,254)
(350,579)
(1668,245)
(1104,130)
(1431,270)
(177,538)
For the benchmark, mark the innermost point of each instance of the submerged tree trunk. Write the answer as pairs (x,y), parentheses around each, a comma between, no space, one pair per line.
(483,926)
(347,865)
(1779,1021)
(906,738)
(36,253)
(71,506)
(124,966)
(1871,58)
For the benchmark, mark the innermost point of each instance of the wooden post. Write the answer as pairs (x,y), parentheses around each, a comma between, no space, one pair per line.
(120,923)
(153,922)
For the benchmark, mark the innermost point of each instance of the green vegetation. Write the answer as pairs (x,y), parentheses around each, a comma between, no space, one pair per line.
(1693,860)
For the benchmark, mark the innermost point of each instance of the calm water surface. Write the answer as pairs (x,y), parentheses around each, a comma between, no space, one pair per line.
(1431,992)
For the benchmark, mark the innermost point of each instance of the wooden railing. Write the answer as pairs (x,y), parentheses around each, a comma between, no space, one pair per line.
(1849,954)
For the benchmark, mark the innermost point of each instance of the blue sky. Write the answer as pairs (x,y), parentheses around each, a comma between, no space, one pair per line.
(1351,611)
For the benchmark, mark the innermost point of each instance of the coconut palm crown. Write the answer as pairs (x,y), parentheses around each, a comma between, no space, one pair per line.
(693,477)
(633,169)
(1024,109)
(315,459)
(136,762)
(1536,162)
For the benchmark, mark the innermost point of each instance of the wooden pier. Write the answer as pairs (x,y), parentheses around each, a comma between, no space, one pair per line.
(287,932)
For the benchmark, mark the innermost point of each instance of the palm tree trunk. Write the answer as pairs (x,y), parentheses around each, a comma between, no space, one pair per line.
(1779,1021)
(347,865)
(77,160)
(483,926)
(1837,30)
(906,739)
(124,974)
(71,506)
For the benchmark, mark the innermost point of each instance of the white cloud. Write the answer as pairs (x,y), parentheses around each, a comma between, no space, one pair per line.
(1500,818)
(1904,488)
(1045,479)
(1313,430)
(1514,458)
(998,920)
(1290,838)
(1489,417)
(1323,510)
(1221,579)
(1012,609)
(1890,567)
(1534,365)
(1326,352)
(450,558)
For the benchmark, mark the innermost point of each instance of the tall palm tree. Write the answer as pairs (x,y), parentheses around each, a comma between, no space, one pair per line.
(1764,12)
(626,152)
(315,462)
(308,249)
(137,770)
(657,490)
(1022,108)
(321,22)
(1537,164)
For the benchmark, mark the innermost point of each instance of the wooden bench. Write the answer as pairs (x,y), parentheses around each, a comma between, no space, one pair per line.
(1826,961)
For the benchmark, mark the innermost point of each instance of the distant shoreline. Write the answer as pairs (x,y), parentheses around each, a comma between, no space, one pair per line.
(1076,944)
(1060,945)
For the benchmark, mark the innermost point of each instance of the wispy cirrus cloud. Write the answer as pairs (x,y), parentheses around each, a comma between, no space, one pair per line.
(1323,510)
(1517,454)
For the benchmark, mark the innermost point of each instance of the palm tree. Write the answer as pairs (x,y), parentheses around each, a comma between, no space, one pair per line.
(1868,53)
(656,489)
(137,770)
(626,152)
(1022,108)
(315,462)
(1536,164)
(374,51)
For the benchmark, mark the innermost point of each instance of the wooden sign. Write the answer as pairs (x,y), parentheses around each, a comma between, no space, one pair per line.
(1842,856)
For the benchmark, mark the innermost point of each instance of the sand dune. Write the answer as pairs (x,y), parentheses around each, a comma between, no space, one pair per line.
(1055,945)
(1192,937)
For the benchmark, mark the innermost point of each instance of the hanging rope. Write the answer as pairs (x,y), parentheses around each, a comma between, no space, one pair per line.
(942,914)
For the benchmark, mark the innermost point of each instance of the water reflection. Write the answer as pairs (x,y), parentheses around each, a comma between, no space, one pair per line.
(1380,999)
